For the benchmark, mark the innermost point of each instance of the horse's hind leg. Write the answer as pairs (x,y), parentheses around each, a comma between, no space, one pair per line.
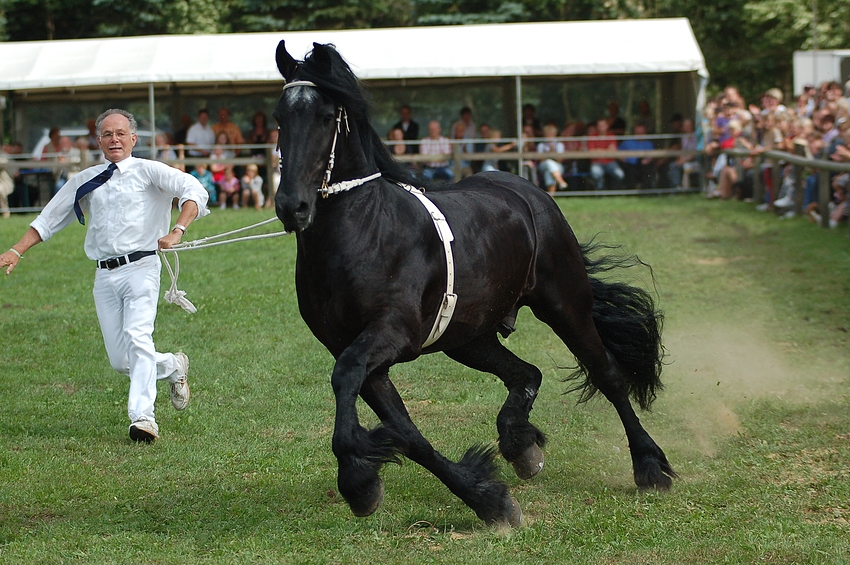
(576,328)
(519,440)
(472,479)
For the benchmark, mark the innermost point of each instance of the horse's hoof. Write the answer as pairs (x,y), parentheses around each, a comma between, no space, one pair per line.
(376,496)
(512,517)
(529,463)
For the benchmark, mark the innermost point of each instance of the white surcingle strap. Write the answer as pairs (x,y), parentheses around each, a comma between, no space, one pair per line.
(447,306)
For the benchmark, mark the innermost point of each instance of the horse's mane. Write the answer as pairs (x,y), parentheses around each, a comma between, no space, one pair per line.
(345,89)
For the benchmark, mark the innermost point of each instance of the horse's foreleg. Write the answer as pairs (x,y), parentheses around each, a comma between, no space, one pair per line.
(472,479)
(359,452)
(519,440)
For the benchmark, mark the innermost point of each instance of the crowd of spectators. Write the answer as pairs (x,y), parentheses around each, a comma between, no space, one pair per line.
(218,143)
(815,125)
(452,153)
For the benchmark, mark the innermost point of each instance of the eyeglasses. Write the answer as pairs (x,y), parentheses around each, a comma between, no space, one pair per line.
(119,135)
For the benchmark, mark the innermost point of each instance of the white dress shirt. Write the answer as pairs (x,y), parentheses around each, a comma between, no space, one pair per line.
(129,213)
(201,136)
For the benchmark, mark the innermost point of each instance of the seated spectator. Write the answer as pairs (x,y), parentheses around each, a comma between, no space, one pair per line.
(70,155)
(228,189)
(398,148)
(725,171)
(252,187)
(164,152)
(550,169)
(602,168)
(639,171)
(480,146)
(205,177)
(460,136)
(529,166)
(7,187)
(52,148)
(219,153)
(496,145)
(438,146)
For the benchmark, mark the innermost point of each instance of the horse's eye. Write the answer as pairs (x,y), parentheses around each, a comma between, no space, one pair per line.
(328,118)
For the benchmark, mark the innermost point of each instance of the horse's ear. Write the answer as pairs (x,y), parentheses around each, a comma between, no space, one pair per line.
(285,63)
(322,56)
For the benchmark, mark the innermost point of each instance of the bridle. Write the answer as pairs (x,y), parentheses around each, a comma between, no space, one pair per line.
(327,189)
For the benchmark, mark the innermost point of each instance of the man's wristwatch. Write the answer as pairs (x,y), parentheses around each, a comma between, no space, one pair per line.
(180,227)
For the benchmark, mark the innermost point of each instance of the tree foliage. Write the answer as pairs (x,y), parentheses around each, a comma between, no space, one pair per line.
(748,44)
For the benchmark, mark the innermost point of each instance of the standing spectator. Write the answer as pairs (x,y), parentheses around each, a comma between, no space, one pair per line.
(200,136)
(644,117)
(639,171)
(409,128)
(551,170)
(616,123)
(602,168)
(128,204)
(252,187)
(234,134)
(259,134)
(529,119)
(180,134)
(438,146)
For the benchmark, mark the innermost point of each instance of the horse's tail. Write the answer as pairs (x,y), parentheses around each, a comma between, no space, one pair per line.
(628,323)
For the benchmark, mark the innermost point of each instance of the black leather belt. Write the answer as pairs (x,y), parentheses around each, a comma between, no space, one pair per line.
(115,262)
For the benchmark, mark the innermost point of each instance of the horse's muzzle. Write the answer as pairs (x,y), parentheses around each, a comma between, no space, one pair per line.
(295,218)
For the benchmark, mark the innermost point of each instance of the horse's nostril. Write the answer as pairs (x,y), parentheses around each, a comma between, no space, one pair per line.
(302,211)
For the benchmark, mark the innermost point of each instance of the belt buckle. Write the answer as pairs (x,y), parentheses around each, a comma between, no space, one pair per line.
(113,263)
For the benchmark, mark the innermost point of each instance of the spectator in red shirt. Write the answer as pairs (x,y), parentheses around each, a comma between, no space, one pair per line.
(604,167)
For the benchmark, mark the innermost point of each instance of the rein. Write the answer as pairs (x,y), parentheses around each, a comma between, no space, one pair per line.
(178,297)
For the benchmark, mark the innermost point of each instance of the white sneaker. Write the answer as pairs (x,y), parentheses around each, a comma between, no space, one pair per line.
(785,202)
(763,207)
(144,431)
(180,387)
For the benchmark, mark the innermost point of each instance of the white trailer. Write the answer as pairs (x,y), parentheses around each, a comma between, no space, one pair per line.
(824,65)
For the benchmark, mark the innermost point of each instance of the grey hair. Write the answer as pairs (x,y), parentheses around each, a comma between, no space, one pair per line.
(111,111)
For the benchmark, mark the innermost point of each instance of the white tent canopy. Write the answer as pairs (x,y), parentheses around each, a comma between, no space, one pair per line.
(523,49)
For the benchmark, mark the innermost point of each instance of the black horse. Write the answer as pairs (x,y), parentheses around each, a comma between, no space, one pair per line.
(372,274)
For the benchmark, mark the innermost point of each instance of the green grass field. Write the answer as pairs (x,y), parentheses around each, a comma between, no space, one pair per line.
(755,416)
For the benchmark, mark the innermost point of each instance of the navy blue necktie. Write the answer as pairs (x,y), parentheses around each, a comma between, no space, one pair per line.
(90,185)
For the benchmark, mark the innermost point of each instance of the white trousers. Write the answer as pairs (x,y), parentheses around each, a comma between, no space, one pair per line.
(125,299)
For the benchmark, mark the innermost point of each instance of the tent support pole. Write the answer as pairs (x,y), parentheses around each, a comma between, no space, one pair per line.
(151,102)
(520,144)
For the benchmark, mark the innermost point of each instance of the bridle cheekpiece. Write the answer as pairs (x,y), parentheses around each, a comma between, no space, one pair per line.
(327,189)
